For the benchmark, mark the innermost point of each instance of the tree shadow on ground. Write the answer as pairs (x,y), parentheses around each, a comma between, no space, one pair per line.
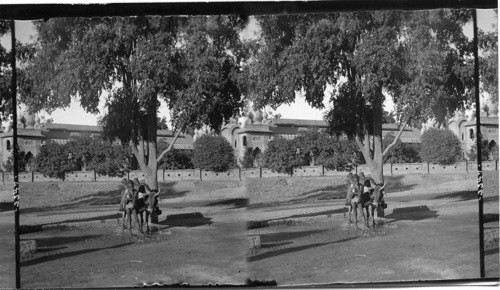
(236,202)
(49,249)
(412,213)
(57,241)
(491,252)
(193,219)
(6,206)
(110,197)
(292,250)
(273,245)
(96,218)
(490,217)
(459,195)
(44,259)
(312,214)
(331,192)
(283,236)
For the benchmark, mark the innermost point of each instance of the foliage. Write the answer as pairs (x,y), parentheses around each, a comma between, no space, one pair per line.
(175,158)
(94,153)
(339,154)
(488,62)
(440,146)
(248,158)
(401,152)
(25,162)
(213,153)
(191,63)
(421,59)
(84,153)
(283,155)
(488,151)
(54,160)
(330,151)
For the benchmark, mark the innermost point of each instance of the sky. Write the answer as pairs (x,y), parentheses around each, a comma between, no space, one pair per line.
(298,110)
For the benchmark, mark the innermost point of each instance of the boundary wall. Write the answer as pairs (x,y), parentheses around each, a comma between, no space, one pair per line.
(239,173)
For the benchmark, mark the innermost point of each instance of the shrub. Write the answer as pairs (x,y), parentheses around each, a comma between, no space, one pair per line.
(25,162)
(282,155)
(488,151)
(94,153)
(175,158)
(440,146)
(401,152)
(213,153)
(248,158)
(53,160)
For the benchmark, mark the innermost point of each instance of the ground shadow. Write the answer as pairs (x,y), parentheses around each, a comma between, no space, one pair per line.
(109,197)
(491,252)
(273,245)
(283,236)
(96,218)
(193,219)
(490,217)
(44,259)
(412,213)
(292,250)
(459,195)
(57,241)
(235,202)
(312,214)
(331,192)
(49,249)
(6,206)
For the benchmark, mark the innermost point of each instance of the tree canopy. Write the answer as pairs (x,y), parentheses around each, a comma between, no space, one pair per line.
(421,59)
(440,146)
(191,63)
(213,153)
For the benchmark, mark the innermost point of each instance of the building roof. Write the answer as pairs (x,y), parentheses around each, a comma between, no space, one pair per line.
(484,121)
(298,122)
(258,128)
(70,127)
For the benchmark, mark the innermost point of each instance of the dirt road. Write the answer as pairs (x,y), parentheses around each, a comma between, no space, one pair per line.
(426,235)
(196,250)
(7,252)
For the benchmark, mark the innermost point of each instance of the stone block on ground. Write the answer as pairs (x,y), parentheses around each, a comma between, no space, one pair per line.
(27,249)
(254,242)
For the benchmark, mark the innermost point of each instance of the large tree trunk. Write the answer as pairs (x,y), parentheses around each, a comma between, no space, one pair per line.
(371,145)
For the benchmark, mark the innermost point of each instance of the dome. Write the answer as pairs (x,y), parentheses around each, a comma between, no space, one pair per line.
(258,116)
(30,120)
(494,110)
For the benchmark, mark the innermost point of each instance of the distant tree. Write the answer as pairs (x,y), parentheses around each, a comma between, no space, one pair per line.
(339,153)
(162,125)
(331,151)
(488,152)
(488,62)
(25,162)
(103,156)
(55,159)
(401,152)
(248,158)
(175,158)
(440,146)
(213,153)
(283,155)
(8,165)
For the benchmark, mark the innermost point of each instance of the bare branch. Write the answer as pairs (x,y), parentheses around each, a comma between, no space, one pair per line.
(170,146)
(395,140)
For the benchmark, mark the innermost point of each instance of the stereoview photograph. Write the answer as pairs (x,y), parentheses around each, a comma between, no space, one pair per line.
(292,149)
